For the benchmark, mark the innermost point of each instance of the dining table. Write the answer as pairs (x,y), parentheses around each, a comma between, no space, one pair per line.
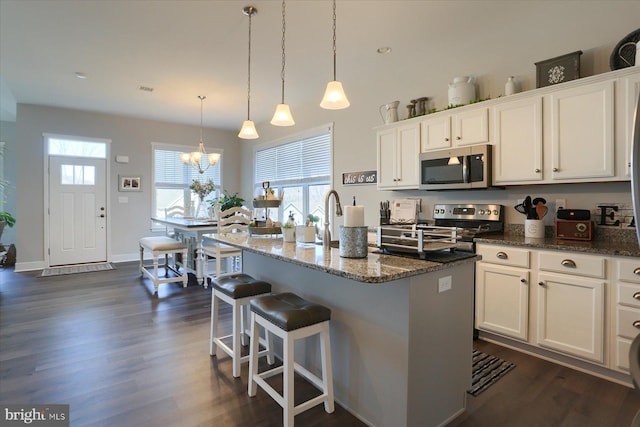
(195,228)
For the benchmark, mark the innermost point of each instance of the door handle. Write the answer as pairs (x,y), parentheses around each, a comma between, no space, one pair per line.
(101,216)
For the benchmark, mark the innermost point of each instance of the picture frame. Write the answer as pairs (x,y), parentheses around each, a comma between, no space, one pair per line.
(558,70)
(129,183)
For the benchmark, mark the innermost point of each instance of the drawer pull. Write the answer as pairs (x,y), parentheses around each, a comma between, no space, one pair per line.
(541,283)
(523,280)
(636,324)
(502,255)
(568,263)
(637,271)
(636,296)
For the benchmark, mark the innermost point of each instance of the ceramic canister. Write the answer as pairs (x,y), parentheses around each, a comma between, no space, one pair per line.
(462,91)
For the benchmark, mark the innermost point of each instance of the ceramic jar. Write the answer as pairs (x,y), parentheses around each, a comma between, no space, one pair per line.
(510,87)
(462,91)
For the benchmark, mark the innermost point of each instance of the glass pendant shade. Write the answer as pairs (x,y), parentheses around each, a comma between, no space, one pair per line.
(248,130)
(282,116)
(334,97)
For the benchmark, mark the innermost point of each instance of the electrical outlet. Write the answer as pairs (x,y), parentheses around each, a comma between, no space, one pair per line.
(561,204)
(444,284)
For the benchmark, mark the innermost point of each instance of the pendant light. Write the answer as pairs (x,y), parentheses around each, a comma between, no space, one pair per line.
(334,97)
(248,130)
(198,158)
(282,116)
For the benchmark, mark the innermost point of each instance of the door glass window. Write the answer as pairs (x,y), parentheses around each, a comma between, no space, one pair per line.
(76,148)
(77,175)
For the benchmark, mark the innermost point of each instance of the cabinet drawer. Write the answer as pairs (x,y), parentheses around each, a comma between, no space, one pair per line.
(572,263)
(629,294)
(504,255)
(629,270)
(626,319)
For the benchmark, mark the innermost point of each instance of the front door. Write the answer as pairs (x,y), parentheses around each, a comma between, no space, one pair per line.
(77,210)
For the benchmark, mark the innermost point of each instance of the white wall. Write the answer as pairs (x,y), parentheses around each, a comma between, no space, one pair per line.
(8,135)
(131,137)
(491,42)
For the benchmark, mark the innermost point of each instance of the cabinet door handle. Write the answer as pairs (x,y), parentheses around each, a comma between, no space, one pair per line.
(636,296)
(568,263)
(637,271)
(502,255)
(541,283)
(446,139)
(537,170)
(555,169)
(523,280)
(636,324)
(458,138)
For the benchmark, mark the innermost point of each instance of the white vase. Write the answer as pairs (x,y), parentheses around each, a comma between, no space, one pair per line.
(510,87)
(201,211)
(289,234)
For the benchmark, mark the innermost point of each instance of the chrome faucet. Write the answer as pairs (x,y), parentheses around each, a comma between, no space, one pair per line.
(326,241)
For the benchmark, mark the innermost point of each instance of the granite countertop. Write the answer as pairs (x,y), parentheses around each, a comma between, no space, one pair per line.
(375,268)
(609,247)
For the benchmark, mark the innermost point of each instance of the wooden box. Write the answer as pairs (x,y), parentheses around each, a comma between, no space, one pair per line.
(558,70)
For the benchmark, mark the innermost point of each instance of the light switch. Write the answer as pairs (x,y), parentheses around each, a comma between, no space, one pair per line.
(123,199)
(122,159)
(444,284)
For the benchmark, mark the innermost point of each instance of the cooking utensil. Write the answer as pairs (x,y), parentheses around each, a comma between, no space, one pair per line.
(520,208)
(529,209)
(541,210)
(538,200)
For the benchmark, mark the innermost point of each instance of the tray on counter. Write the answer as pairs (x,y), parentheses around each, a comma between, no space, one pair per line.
(265,230)
(264,203)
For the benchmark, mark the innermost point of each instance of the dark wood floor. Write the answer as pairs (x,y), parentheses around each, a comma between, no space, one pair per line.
(121,356)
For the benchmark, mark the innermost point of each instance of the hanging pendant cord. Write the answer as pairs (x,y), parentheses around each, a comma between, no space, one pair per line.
(283,56)
(334,40)
(249,70)
(202,98)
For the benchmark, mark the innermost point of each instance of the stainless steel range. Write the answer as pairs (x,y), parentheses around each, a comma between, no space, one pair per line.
(453,230)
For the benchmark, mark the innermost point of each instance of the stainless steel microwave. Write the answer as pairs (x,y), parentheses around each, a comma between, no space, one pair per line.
(456,168)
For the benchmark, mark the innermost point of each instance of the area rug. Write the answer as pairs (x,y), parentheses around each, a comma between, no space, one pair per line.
(80,268)
(487,370)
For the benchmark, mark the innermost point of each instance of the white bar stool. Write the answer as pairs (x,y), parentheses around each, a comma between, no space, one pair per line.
(236,289)
(166,246)
(290,317)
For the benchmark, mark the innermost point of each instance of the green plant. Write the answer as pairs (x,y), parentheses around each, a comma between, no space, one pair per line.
(287,225)
(312,219)
(202,189)
(6,216)
(228,201)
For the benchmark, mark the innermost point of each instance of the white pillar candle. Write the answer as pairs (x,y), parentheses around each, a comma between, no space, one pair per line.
(354,216)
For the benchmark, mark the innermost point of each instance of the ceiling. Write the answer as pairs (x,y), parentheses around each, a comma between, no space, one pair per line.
(183,49)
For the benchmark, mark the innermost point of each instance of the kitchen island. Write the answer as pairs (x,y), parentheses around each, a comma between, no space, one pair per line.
(401,329)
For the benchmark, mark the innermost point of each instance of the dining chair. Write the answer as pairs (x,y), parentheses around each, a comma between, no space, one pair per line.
(177,211)
(233,221)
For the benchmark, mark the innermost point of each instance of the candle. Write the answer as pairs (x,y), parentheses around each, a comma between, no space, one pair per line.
(354,216)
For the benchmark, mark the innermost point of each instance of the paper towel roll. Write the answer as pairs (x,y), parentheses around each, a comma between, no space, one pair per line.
(354,216)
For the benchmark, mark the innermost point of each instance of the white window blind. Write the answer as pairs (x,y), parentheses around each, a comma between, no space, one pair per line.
(168,169)
(304,160)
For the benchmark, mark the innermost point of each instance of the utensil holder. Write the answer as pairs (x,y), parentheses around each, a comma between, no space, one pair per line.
(353,242)
(534,228)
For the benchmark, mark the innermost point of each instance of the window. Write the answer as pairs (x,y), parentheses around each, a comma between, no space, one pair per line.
(301,169)
(172,178)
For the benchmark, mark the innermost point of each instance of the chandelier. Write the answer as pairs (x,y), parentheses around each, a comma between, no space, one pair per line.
(198,158)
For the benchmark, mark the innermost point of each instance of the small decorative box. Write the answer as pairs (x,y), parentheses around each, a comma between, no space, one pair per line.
(558,70)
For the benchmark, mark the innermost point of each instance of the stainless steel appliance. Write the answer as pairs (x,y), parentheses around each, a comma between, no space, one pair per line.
(454,228)
(456,168)
(635,169)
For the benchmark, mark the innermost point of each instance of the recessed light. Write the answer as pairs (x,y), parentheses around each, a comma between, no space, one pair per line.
(383,50)
(81,75)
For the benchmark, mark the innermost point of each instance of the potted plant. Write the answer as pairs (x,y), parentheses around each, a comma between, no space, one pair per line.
(307,233)
(6,219)
(202,190)
(226,201)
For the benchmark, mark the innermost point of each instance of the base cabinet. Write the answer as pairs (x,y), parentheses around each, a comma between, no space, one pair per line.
(571,315)
(625,309)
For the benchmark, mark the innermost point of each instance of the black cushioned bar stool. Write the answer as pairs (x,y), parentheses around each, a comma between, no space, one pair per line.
(236,289)
(290,317)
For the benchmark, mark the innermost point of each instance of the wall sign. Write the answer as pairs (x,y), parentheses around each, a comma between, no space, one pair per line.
(356,178)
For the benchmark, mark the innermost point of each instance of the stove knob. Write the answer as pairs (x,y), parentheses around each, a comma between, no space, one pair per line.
(481,211)
(495,211)
(489,212)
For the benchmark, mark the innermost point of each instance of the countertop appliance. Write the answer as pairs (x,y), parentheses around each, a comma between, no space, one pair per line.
(456,169)
(453,230)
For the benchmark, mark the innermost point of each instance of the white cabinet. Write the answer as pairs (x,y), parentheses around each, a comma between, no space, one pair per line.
(628,91)
(517,138)
(435,133)
(455,129)
(471,126)
(502,291)
(582,132)
(398,150)
(626,309)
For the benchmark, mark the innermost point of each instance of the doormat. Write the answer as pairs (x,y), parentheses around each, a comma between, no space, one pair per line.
(80,268)
(487,370)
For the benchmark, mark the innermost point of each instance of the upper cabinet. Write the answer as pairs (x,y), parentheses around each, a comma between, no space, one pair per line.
(627,95)
(455,129)
(581,133)
(398,149)
(517,136)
